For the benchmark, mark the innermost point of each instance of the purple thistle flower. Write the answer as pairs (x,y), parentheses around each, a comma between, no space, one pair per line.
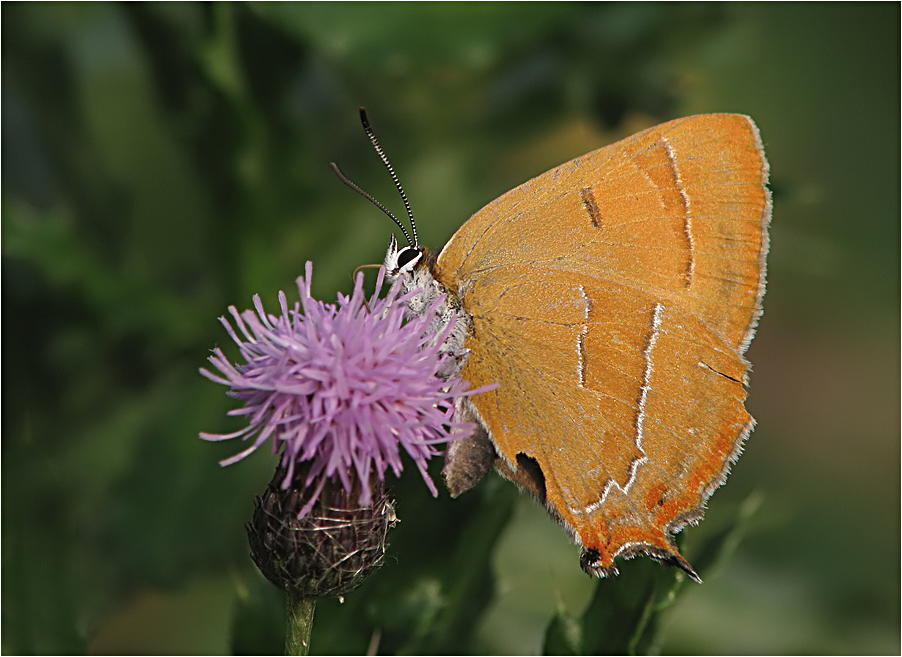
(343,387)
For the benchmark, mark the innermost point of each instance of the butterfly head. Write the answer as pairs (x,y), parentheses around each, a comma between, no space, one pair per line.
(403,260)
(409,263)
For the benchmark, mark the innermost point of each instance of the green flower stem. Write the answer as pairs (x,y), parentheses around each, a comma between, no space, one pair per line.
(298,623)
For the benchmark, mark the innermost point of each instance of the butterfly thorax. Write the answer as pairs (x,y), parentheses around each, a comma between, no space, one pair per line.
(413,266)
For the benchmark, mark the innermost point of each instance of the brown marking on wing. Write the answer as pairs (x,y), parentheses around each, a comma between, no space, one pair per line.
(589,204)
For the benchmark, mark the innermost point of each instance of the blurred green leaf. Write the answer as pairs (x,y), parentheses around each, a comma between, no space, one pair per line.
(258,624)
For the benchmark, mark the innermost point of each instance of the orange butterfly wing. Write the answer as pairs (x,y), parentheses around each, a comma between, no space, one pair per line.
(612,299)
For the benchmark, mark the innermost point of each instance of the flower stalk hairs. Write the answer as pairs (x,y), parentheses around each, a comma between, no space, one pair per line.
(341,390)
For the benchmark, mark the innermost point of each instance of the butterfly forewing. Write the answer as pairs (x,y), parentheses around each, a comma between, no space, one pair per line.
(612,299)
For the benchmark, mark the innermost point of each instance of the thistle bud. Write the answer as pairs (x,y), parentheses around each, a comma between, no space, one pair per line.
(327,552)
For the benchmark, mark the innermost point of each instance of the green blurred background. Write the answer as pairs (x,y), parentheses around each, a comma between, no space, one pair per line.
(162,161)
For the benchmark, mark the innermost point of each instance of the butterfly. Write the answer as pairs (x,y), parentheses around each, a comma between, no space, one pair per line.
(610,301)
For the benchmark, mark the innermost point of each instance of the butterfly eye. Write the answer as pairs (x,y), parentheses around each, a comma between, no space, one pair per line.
(407,255)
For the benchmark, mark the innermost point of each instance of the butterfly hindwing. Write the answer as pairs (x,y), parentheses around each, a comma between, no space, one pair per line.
(612,299)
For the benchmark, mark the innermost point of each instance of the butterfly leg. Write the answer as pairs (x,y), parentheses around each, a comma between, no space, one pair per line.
(456,357)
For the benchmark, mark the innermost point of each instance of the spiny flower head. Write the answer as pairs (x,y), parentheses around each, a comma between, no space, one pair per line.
(340,388)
